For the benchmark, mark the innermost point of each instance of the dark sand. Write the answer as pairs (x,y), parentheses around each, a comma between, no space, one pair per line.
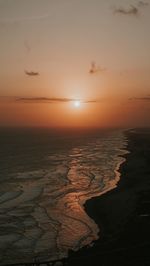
(123,214)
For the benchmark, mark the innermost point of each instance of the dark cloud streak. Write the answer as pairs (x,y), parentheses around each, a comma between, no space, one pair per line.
(131,11)
(42,100)
(31,73)
(147,98)
(51,100)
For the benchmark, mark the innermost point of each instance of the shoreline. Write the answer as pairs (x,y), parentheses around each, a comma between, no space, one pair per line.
(92,235)
(123,152)
(117,212)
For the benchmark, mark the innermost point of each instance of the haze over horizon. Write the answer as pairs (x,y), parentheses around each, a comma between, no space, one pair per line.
(46,51)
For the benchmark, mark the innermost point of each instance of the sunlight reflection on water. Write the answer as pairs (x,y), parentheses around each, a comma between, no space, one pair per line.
(42,211)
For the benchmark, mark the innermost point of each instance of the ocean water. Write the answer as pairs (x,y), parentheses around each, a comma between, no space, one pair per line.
(46,176)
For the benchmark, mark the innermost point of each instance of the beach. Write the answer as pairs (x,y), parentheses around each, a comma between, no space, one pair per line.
(44,190)
(123,214)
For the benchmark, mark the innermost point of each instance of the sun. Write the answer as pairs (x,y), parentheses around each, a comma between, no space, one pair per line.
(77,103)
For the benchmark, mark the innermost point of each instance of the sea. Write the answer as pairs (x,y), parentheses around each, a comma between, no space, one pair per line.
(46,176)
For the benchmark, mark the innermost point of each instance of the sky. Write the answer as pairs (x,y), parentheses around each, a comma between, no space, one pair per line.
(46,50)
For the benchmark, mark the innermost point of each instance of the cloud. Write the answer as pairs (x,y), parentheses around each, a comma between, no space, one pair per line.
(31,73)
(31,100)
(146,98)
(95,69)
(51,100)
(42,100)
(92,101)
(131,11)
(142,4)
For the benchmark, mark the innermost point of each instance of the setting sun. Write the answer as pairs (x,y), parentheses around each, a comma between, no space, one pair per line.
(77,104)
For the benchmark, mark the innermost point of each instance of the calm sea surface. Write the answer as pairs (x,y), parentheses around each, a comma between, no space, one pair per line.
(45,178)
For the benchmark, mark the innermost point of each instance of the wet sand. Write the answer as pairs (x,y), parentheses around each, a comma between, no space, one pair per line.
(123,214)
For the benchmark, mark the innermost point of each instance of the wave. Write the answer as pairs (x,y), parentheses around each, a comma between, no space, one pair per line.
(42,212)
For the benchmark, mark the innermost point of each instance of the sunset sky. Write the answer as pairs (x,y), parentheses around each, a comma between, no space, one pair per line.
(59,39)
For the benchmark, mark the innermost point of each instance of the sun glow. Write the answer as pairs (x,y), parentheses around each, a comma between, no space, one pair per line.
(77,103)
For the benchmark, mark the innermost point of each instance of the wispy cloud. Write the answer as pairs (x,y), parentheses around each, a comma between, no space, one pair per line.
(31,73)
(96,69)
(31,100)
(42,100)
(142,4)
(146,98)
(52,100)
(132,10)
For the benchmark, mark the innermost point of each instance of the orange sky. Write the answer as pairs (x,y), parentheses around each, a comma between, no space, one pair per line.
(59,39)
